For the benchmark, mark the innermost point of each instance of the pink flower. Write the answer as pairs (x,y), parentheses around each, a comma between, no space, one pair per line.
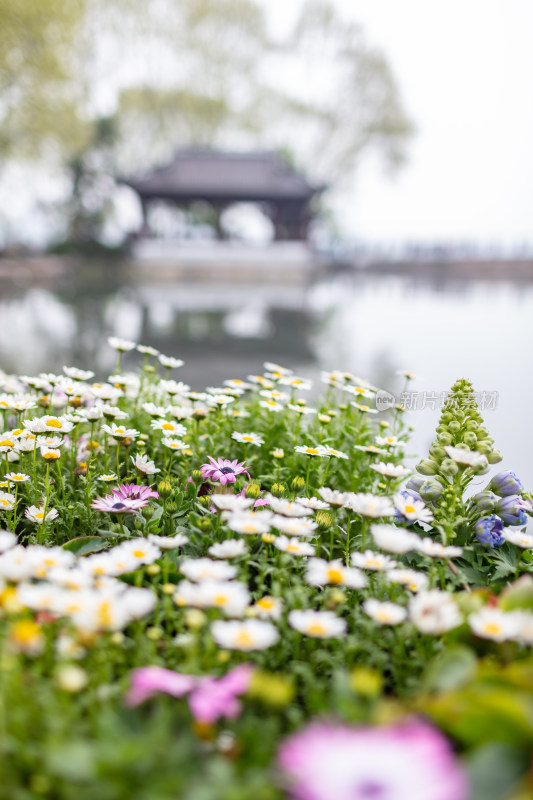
(209,698)
(114,504)
(406,761)
(130,491)
(223,470)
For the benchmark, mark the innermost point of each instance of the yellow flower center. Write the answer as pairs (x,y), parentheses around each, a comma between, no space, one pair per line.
(4,502)
(249,528)
(243,639)
(6,443)
(266,603)
(382,616)
(316,629)
(247,438)
(51,455)
(53,423)
(119,430)
(18,432)
(168,426)
(410,509)
(103,615)
(293,548)
(220,600)
(312,451)
(25,632)
(334,576)
(139,553)
(39,515)
(492,628)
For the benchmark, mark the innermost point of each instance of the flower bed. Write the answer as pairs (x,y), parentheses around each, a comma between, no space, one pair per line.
(228,594)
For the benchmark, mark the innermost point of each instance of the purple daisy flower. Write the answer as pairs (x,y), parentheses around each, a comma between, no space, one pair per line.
(223,470)
(406,761)
(130,491)
(113,504)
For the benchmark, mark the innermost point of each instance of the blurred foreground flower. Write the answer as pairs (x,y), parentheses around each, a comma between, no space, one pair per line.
(409,761)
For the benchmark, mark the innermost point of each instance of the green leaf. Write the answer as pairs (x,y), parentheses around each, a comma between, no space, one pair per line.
(85,545)
(450,670)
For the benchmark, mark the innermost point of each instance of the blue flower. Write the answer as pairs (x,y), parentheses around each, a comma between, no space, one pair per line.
(511,510)
(506,483)
(488,530)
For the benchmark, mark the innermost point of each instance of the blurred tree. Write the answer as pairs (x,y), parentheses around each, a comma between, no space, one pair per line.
(38,97)
(169,73)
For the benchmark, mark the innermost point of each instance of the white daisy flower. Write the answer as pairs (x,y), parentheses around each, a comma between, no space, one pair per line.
(411,509)
(321,572)
(7,540)
(296,383)
(144,465)
(120,431)
(231,502)
(267,608)
(248,522)
(121,345)
(332,496)
(108,478)
(272,405)
(393,539)
(373,561)
(170,363)
(201,569)
(390,470)
(365,409)
(142,550)
(36,514)
(168,542)
(518,538)
(17,477)
(316,450)
(384,613)
(319,624)
(467,457)
(300,408)
(434,612)
(230,548)
(153,410)
(294,526)
(387,441)
(146,350)
(78,374)
(428,547)
(287,508)
(369,505)
(175,444)
(525,627)
(174,387)
(294,546)
(277,369)
(231,597)
(220,400)
(495,624)
(180,412)
(251,634)
(312,503)
(370,448)
(274,394)
(48,424)
(410,578)
(169,428)
(248,438)
(237,383)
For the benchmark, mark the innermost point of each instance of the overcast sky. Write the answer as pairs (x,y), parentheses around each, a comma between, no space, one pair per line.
(465,72)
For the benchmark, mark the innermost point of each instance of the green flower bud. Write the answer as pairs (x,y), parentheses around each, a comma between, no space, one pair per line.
(197,476)
(278,489)
(252,491)
(324,519)
(205,501)
(437,452)
(470,439)
(427,467)
(164,488)
(204,523)
(153,569)
(484,448)
(454,426)
(154,634)
(444,438)
(449,467)
(494,457)
(384,424)
(298,483)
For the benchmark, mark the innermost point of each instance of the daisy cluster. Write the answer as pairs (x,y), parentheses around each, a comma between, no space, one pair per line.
(154,534)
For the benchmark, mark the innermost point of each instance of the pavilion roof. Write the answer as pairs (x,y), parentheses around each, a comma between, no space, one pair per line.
(196,173)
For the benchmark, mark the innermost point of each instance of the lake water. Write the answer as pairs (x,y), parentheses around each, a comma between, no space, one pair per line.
(369,325)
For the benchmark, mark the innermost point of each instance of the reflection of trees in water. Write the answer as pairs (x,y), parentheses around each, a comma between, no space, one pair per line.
(68,323)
